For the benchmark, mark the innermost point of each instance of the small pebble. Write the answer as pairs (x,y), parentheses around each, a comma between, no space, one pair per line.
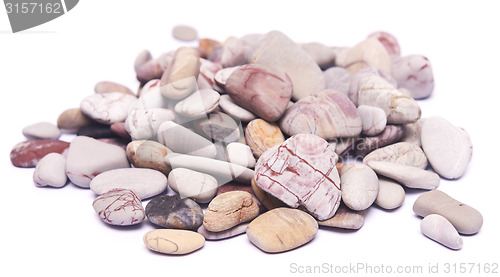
(172,211)
(198,186)
(228,210)
(338,78)
(198,104)
(229,233)
(119,207)
(373,120)
(261,135)
(143,57)
(345,218)
(359,186)
(107,86)
(148,154)
(228,106)
(41,130)
(184,33)
(414,73)
(144,123)
(28,153)
(174,242)
(50,171)
(354,87)
(401,153)
(241,154)
(368,53)
(391,194)
(409,176)
(411,132)
(71,120)
(389,41)
(107,108)
(220,127)
(119,129)
(438,228)
(391,134)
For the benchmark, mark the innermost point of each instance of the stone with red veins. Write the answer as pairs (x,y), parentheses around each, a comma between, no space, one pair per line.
(328,114)
(206,78)
(107,108)
(414,73)
(119,207)
(389,41)
(144,124)
(28,153)
(88,157)
(301,172)
(262,89)
(390,135)
(51,171)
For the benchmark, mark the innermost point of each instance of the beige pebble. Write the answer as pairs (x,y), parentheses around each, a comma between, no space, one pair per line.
(198,186)
(369,52)
(148,154)
(180,78)
(391,194)
(71,120)
(345,218)
(441,230)
(41,130)
(359,186)
(108,86)
(261,135)
(173,241)
(409,176)
(229,209)
(184,33)
(401,153)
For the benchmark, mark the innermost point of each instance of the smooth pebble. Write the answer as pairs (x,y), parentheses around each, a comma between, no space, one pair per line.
(241,154)
(438,228)
(41,130)
(107,108)
(409,176)
(401,153)
(391,194)
(229,209)
(119,207)
(198,104)
(373,120)
(261,135)
(184,33)
(359,186)
(148,154)
(28,153)
(228,106)
(174,242)
(172,211)
(345,218)
(198,186)
(50,171)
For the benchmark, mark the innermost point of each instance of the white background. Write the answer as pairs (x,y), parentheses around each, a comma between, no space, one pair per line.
(47,69)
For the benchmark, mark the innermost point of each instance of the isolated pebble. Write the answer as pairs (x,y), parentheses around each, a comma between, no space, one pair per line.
(373,120)
(438,228)
(144,123)
(50,171)
(88,157)
(228,210)
(182,140)
(180,78)
(28,153)
(108,86)
(305,74)
(107,108)
(464,218)
(261,135)
(241,154)
(260,88)
(41,130)
(119,207)
(198,186)
(448,148)
(401,153)
(220,127)
(148,154)
(71,120)
(228,106)
(184,33)
(282,229)
(198,104)
(174,242)
(409,176)
(301,172)
(391,134)
(359,186)
(368,53)
(229,233)
(172,211)
(414,73)
(391,194)
(328,114)
(144,182)
(345,218)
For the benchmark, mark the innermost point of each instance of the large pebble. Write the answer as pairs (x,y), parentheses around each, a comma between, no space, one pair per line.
(51,171)
(199,104)
(260,88)
(390,135)
(220,127)
(144,123)
(307,77)
(370,52)
(441,230)
(72,119)
(119,207)
(228,106)
(172,211)
(41,130)
(108,86)
(182,140)
(391,194)
(400,153)
(174,242)
(267,200)
(151,97)
(448,148)
(328,114)
(231,232)
(398,106)
(144,182)
(345,218)
(409,176)
(301,172)
(148,154)
(282,229)
(88,157)
(228,210)
(180,78)
(359,186)
(241,154)
(414,73)
(373,120)
(107,108)
(464,218)
(28,153)
(261,135)
(198,186)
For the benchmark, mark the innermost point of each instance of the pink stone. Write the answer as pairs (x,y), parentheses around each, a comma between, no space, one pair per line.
(389,41)
(414,73)
(28,153)
(301,172)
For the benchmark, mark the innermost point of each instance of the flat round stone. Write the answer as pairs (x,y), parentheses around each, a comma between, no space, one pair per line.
(41,130)
(119,207)
(28,153)
(107,108)
(184,33)
(391,194)
(172,211)
(174,242)
(359,186)
(198,186)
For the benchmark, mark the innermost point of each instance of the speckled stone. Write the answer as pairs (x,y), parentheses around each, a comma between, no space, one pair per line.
(173,242)
(170,211)
(119,207)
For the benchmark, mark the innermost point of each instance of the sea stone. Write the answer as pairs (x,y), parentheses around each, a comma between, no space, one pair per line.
(323,55)
(150,97)
(119,129)
(206,79)
(414,73)
(354,87)
(229,233)
(228,106)
(198,186)
(97,131)
(409,176)
(41,130)
(373,120)
(235,50)
(170,211)
(180,78)
(398,106)
(148,154)
(305,74)
(144,182)
(400,153)
(370,52)
(391,194)
(390,135)
(438,228)
(345,218)
(108,86)
(220,127)
(389,41)
(173,242)
(199,103)
(228,210)
(143,57)
(359,186)
(119,207)
(328,114)
(235,186)
(150,70)
(464,218)
(184,33)
(268,201)
(338,78)
(72,120)
(448,148)
(144,123)
(411,132)
(260,88)
(261,135)
(107,108)
(28,153)
(88,157)
(282,229)
(50,171)
(301,172)
(241,154)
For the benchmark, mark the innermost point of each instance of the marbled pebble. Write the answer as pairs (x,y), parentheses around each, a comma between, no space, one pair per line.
(172,211)
(28,153)
(107,108)
(119,207)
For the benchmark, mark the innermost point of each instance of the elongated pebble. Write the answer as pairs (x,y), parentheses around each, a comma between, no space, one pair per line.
(148,154)
(228,106)
(41,130)
(391,134)
(438,228)
(391,194)
(345,218)
(409,176)
(51,171)
(174,242)
(401,153)
(28,153)
(229,233)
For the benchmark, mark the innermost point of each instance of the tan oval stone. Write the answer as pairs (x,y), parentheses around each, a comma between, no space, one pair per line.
(173,241)
(148,154)
(229,209)
(261,135)
(282,229)
(180,78)
(73,119)
(345,218)
(401,153)
(391,194)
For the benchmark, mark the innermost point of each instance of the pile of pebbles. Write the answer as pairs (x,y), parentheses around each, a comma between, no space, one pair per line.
(259,135)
